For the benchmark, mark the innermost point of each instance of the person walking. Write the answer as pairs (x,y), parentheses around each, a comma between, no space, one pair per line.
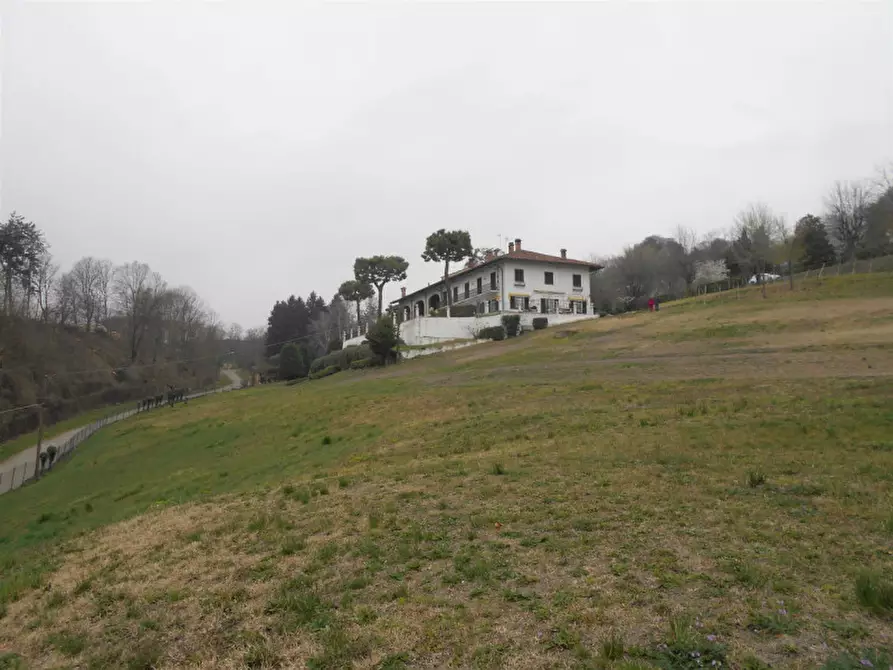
(650,304)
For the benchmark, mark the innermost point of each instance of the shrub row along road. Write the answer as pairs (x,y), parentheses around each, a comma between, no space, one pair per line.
(12,469)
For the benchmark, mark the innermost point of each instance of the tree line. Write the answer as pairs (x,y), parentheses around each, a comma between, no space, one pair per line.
(94,334)
(95,295)
(856,223)
(311,328)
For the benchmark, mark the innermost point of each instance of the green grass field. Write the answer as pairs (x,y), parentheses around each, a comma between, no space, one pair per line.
(12,447)
(712,484)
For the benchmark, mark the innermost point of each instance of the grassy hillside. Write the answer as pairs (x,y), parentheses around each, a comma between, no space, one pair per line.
(712,483)
(85,372)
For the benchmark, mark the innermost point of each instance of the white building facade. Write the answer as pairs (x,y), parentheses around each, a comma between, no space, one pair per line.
(517,281)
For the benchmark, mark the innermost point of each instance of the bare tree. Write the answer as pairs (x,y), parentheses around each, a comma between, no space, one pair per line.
(66,300)
(45,285)
(756,234)
(687,239)
(255,334)
(234,332)
(187,313)
(138,291)
(322,331)
(85,274)
(105,274)
(846,216)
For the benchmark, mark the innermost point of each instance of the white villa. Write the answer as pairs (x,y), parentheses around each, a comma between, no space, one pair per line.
(518,281)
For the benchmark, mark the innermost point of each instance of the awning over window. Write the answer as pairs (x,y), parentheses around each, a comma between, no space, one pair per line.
(519,295)
(577,298)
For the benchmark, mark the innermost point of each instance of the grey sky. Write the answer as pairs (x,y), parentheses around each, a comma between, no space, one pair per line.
(252,151)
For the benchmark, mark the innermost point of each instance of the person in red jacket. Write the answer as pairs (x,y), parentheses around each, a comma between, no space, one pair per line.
(650,304)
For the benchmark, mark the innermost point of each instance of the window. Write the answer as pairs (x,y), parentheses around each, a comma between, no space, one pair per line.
(519,276)
(578,281)
(494,306)
(548,306)
(517,302)
(467,291)
(481,307)
(480,285)
(455,294)
(513,302)
(492,281)
(550,278)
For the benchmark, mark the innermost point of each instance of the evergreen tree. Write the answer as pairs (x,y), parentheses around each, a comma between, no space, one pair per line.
(288,320)
(813,240)
(292,362)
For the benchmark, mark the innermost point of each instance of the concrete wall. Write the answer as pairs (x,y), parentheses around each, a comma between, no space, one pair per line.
(427,330)
(415,353)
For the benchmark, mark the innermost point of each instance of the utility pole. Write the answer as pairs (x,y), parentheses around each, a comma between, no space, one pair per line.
(40,401)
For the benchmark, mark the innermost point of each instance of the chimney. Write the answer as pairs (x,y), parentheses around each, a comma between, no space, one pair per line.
(518,243)
(402,291)
(564,253)
(511,247)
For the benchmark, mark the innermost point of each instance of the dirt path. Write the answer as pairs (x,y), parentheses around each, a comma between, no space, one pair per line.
(21,466)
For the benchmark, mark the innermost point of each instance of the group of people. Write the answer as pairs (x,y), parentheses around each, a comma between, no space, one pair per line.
(173,395)
(653,305)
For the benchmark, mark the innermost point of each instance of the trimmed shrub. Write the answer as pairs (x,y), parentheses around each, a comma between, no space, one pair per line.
(341,359)
(362,363)
(384,338)
(540,322)
(325,372)
(491,333)
(512,324)
(334,345)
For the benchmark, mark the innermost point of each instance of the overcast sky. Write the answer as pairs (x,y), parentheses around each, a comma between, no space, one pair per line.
(252,151)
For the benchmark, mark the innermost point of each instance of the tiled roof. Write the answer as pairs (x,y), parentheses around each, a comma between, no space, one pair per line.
(517,254)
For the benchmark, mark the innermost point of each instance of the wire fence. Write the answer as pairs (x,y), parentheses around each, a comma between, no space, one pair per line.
(60,448)
(854,267)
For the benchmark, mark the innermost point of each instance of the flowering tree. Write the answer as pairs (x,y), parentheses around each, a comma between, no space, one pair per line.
(710,272)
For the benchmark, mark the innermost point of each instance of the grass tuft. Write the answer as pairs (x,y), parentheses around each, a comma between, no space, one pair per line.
(613,647)
(755,478)
(874,591)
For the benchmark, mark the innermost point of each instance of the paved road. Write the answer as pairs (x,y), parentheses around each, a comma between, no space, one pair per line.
(21,466)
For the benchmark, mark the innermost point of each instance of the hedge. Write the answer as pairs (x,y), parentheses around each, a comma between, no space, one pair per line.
(362,363)
(512,324)
(341,359)
(491,333)
(325,372)
(540,322)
